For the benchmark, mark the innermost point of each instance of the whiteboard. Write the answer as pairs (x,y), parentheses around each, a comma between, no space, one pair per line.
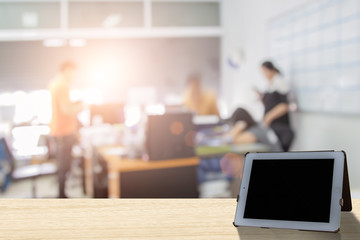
(317,47)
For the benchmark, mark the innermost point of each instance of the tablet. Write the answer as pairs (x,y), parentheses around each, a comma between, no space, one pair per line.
(294,190)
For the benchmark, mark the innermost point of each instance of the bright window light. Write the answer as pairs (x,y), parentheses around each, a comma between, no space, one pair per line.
(32,106)
(23,107)
(25,140)
(6,99)
(132,115)
(88,96)
(41,102)
(155,109)
(93,96)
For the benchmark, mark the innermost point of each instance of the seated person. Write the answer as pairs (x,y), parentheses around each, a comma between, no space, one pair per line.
(199,100)
(246,130)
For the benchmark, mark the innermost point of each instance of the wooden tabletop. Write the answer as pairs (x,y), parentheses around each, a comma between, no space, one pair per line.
(144,219)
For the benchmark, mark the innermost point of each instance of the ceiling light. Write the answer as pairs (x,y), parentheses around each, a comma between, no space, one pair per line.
(30,19)
(77,42)
(54,42)
(112,21)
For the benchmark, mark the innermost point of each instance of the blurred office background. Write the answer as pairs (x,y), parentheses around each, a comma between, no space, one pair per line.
(133,61)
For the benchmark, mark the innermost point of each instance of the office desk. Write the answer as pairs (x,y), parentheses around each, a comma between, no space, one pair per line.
(144,219)
(120,168)
(240,149)
(116,166)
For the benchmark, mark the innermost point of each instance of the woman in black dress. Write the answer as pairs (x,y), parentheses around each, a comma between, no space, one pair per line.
(276,105)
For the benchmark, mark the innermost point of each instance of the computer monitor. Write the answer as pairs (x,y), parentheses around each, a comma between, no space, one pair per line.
(170,136)
(111,113)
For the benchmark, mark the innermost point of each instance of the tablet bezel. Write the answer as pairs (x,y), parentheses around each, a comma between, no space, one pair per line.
(336,192)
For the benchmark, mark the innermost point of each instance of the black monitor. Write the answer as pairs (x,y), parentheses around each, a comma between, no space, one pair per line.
(170,136)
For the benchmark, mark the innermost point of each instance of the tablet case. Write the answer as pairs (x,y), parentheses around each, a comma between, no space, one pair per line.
(346,204)
(346,195)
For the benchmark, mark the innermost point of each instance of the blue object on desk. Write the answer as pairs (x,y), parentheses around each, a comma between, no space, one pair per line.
(5,166)
(215,136)
(209,169)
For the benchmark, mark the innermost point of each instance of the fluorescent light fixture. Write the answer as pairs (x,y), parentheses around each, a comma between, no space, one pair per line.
(77,42)
(30,19)
(112,20)
(54,42)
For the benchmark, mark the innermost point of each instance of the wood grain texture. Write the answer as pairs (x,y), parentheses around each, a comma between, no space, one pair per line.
(143,219)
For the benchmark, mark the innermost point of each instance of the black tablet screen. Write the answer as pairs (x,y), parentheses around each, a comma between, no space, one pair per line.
(291,190)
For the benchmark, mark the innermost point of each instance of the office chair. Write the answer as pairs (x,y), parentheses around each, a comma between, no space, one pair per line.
(33,172)
(27,172)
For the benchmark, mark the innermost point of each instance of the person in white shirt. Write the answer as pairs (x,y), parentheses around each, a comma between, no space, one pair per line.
(274,98)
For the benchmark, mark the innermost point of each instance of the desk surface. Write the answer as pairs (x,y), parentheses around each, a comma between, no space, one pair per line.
(205,151)
(144,219)
(124,164)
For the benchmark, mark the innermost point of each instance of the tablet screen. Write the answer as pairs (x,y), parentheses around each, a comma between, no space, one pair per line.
(290,190)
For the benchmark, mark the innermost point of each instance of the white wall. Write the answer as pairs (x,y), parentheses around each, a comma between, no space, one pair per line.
(245,27)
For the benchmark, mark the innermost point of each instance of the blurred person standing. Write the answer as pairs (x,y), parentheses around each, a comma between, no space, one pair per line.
(199,100)
(275,100)
(63,124)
